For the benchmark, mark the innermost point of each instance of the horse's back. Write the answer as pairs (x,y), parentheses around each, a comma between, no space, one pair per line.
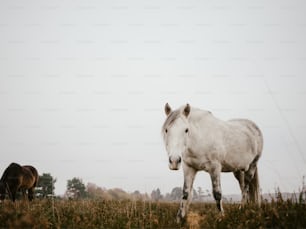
(33,173)
(247,123)
(251,129)
(32,169)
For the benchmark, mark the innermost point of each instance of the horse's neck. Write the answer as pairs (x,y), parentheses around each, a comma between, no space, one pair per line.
(198,115)
(4,175)
(204,122)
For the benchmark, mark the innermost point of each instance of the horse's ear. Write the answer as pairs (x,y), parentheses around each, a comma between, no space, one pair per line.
(186,110)
(167,109)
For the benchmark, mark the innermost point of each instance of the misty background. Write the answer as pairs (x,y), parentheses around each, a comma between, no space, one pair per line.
(83,85)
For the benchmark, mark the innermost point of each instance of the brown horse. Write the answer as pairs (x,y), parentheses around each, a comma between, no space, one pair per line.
(18,178)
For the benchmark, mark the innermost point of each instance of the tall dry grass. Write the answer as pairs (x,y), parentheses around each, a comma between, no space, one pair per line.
(141,214)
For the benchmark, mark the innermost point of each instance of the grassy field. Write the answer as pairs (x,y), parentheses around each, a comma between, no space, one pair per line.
(140,214)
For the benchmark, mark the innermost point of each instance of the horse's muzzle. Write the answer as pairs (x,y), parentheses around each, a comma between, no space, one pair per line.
(174,163)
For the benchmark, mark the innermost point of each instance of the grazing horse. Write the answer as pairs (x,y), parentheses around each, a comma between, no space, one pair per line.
(199,141)
(16,177)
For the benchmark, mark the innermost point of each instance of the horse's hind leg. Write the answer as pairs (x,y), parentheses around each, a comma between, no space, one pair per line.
(31,194)
(24,194)
(240,176)
(249,183)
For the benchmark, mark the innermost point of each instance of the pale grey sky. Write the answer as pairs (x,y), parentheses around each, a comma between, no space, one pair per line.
(83,85)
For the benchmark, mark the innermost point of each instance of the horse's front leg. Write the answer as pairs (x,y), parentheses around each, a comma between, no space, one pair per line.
(189,175)
(215,173)
(11,190)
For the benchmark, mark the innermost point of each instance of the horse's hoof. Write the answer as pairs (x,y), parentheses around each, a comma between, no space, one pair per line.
(180,219)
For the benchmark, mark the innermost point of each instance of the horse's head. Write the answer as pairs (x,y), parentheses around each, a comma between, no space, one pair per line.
(175,133)
(2,190)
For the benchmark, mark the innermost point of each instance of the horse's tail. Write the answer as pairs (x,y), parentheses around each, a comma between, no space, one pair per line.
(34,173)
(254,191)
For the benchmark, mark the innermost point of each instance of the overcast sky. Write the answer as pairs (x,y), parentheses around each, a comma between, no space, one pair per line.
(83,85)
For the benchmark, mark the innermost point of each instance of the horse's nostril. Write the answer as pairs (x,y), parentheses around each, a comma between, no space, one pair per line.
(179,160)
(170,161)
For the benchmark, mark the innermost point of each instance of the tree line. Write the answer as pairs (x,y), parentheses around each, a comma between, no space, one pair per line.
(76,189)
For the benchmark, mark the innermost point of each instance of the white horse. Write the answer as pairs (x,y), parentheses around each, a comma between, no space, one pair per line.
(201,141)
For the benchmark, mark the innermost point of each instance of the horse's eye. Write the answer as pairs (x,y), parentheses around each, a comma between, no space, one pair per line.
(166,130)
(186,131)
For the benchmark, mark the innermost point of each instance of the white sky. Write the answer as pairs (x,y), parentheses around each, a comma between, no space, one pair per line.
(83,85)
